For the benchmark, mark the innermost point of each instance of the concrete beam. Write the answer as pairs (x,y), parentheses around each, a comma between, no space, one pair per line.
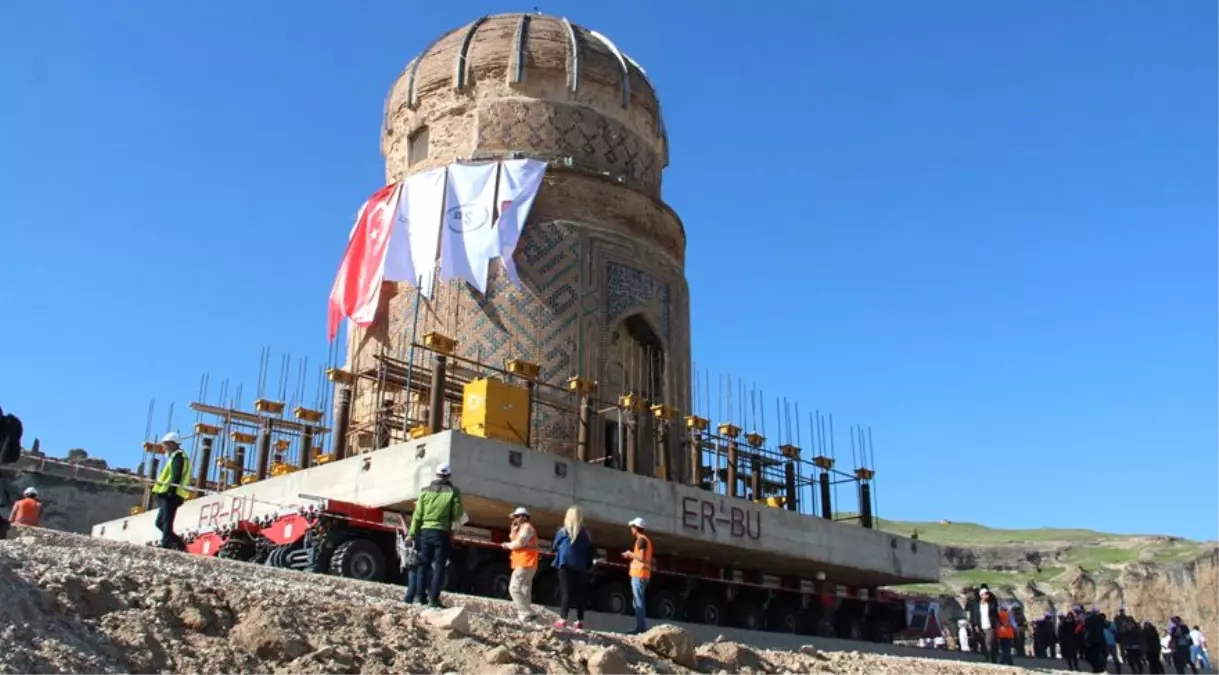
(494,477)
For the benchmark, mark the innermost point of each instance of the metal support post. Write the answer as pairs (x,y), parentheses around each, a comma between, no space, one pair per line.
(436,395)
(342,422)
(205,464)
(264,449)
(584,431)
(306,447)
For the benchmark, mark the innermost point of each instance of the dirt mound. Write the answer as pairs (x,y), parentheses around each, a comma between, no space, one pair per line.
(74,604)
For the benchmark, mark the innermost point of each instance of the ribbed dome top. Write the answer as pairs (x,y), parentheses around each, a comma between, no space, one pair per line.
(513,48)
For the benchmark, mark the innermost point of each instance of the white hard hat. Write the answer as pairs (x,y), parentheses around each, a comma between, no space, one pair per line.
(521,511)
(30,492)
(171,437)
(444,470)
(638,522)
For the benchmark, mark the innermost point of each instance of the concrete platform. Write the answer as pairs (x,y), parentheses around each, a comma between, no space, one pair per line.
(496,477)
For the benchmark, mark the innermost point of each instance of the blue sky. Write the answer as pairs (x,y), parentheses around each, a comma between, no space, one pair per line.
(988,230)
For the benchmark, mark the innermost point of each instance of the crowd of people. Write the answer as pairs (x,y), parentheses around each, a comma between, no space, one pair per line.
(1083,638)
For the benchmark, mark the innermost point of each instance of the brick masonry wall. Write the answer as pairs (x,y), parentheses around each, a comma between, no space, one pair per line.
(597,248)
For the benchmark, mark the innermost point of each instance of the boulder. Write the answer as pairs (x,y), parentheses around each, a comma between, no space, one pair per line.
(452,619)
(672,643)
(499,655)
(609,661)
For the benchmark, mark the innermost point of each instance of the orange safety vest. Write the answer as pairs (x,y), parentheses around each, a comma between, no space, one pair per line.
(641,562)
(26,512)
(526,557)
(1005,629)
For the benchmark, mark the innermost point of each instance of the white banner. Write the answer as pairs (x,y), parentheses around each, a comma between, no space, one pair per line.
(519,180)
(412,248)
(466,240)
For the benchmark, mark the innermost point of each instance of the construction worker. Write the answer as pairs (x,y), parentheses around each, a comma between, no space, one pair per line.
(27,510)
(522,545)
(640,569)
(170,489)
(438,511)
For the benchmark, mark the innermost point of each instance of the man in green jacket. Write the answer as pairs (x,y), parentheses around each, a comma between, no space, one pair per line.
(437,512)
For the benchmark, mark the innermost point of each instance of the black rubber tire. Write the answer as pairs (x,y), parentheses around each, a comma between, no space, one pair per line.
(359,559)
(663,604)
(825,626)
(787,620)
(237,549)
(706,610)
(546,589)
(882,631)
(851,628)
(491,580)
(612,597)
(749,615)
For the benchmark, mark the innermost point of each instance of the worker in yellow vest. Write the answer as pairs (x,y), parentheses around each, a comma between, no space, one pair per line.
(170,489)
(1006,632)
(640,569)
(523,552)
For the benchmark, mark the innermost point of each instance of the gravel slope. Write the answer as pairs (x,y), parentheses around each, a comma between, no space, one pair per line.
(70,603)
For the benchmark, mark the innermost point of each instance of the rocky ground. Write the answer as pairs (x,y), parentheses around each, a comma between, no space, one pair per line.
(73,604)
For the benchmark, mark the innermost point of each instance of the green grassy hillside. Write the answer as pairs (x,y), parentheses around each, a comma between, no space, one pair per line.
(1002,556)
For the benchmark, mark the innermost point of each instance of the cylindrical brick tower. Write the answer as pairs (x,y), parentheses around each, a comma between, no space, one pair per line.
(601,257)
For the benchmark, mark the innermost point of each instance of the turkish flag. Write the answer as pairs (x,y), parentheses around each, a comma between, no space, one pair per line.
(357,288)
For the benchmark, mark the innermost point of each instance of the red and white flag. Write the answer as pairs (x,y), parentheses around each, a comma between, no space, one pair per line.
(357,288)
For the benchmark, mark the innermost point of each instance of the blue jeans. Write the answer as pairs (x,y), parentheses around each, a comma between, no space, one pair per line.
(638,587)
(1005,650)
(1199,657)
(427,577)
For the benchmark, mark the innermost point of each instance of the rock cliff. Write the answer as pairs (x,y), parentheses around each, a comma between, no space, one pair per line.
(1153,577)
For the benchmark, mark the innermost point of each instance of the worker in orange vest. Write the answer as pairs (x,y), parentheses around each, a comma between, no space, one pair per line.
(640,569)
(1007,636)
(27,510)
(523,553)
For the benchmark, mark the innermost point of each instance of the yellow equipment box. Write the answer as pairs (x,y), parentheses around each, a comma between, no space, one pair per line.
(495,409)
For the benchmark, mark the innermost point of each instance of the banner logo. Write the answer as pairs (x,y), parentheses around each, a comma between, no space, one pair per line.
(467,218)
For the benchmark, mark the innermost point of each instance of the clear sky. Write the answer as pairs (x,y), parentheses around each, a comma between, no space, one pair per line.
(986,229)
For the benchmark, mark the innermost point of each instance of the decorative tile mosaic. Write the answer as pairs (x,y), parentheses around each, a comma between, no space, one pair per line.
(630,289)
(590,139)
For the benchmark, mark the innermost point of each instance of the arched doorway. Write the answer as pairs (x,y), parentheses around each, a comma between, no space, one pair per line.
(635,364)
(636,360)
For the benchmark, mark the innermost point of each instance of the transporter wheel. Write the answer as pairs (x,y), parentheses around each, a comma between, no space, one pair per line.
(358,559)
(825,626)
(663,604)
(546,589)
(237,549)
(851,628)
(882,631)
(787,620)
(612,597)
(750,616)
(276,556)
(492,579)
(706,609)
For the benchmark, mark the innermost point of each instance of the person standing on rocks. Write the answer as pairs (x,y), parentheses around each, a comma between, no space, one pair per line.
(437,511)
(573,558)
(1197,653)
(1006,633)
(1069,641)
(170,490)
(1151,640)
(27,510)
(1179,640)
(640,570)
(523,555)
(988,623)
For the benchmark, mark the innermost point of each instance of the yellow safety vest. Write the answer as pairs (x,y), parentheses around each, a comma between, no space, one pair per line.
(162,485)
